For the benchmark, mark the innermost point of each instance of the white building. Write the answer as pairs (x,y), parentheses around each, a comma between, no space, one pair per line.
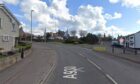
(9,29)
(133,40)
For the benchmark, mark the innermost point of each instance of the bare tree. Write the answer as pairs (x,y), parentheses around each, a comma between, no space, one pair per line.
(82,33)
(73,32)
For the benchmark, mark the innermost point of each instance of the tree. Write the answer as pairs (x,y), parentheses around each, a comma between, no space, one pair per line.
(61,33)
(73,33)
(48,35)
(109,38)
(90,38)
(104,35)
(82,33)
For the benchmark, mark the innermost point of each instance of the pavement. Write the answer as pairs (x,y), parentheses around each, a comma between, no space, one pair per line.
(77,65)
(118,52)
(34,69)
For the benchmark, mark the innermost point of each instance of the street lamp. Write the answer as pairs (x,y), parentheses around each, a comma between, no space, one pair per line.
(31,26)
(45,39)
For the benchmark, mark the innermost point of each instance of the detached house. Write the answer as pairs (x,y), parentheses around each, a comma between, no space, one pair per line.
(9,29)
(133,40)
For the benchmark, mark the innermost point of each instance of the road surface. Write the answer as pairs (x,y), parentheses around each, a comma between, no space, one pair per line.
(78,65)
(74,65)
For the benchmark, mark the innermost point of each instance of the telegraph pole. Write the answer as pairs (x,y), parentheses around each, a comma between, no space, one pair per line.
(31,26)
(45,40)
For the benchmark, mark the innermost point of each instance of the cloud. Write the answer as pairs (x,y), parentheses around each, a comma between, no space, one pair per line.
(1,2)
(55,16)
(89,18)
(127,3)
(114,1)
(25,28)
(131,3)
(116,31)
(115,16)
(14,2)
(18,15)
(138,22)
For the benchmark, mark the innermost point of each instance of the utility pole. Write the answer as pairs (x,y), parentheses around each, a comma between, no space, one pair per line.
(45,40)
(112,33)
(31,26)
(67,33)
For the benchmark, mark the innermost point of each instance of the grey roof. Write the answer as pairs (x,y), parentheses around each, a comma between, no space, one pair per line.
(9,12)
(133,33)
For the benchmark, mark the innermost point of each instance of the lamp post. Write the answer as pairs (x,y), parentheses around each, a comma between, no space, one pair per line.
(112,34)
(31,26)
(45,39)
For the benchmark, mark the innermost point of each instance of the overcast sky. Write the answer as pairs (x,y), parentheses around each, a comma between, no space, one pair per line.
(96,16)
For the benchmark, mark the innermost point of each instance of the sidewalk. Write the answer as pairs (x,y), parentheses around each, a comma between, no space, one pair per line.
(118,52)
(33,69)
(8,61)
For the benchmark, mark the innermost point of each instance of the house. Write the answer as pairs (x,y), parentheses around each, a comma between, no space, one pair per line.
(133,40)
(55,36)
(21,34)
(24,36)
(9,29)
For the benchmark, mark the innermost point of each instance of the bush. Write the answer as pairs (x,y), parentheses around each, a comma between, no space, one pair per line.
(1,56)
(89,39)
(24,45)
(69,41)
(28,47)
(72,40)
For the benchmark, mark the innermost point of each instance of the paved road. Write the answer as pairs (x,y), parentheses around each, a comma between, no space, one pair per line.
(31,70)
(78,65)
(74,65)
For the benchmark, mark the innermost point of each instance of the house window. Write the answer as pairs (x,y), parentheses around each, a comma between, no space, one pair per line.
(5,38)
(131,37)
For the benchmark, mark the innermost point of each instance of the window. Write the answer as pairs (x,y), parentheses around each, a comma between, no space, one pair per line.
(131,37)
(5,38)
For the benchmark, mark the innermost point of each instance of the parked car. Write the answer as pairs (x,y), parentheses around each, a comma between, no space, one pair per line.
(116,44)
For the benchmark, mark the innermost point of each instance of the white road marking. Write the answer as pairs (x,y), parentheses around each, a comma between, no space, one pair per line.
(73,76)
(98,67)
(47,74)
(86,49)
(95,64)
(71,72)
(80,69)
(81,55)
(110,78)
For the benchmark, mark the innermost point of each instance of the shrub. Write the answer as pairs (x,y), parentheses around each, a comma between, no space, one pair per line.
(90,39)
(23,45)
(73,40)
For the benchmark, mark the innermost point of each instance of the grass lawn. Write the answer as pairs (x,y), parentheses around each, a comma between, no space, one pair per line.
(1,56)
